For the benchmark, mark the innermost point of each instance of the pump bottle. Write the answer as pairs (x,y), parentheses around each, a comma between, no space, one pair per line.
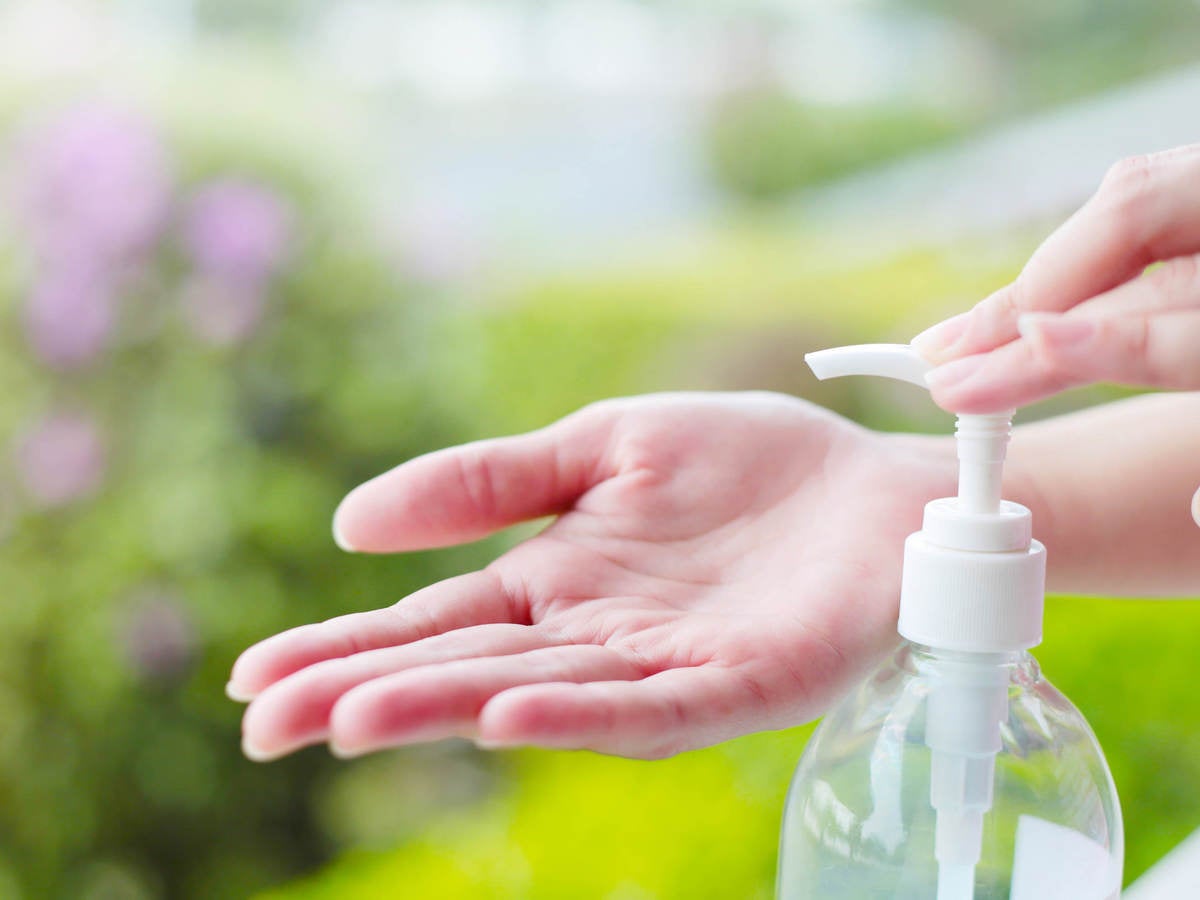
(955,771)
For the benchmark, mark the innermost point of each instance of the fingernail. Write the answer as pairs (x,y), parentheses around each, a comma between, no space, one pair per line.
(932,343)
(237,694)
(257,754)
(1196,507)
(343,752)
(339,538)
(954,373)
(1058,330)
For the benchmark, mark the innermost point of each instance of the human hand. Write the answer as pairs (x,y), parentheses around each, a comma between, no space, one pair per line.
(719,564)
(1082,310)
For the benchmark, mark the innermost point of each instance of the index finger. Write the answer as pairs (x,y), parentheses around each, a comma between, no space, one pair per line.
(1145,210)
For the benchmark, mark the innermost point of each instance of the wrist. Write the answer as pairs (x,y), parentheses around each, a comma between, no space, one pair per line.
(932,462)
(1023,481)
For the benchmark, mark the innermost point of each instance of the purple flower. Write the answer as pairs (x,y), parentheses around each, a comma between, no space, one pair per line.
(223,312)
(237,231)
(70,315)
(158,636)
(61,459)
(94,183)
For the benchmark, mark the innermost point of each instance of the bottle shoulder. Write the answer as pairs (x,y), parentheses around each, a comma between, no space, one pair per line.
(896,695)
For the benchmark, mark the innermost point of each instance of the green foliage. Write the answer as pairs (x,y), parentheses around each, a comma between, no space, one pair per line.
(764,294)
(122,775)
(1058,51)
(765,144)
(700,825)
(1128,665)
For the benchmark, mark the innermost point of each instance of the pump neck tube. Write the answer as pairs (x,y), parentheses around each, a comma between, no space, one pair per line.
(982,446)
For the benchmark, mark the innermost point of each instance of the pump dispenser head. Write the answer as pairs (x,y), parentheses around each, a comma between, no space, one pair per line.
(982,440)
(974,579)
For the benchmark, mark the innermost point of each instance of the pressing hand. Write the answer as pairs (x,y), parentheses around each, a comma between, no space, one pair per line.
(1084,309)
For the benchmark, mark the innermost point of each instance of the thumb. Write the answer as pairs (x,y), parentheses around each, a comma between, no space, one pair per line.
(464,493)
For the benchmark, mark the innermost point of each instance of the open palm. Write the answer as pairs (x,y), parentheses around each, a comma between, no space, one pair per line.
(719,564)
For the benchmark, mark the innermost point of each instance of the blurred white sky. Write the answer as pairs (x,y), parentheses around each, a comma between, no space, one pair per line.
(559,131)
(454,51)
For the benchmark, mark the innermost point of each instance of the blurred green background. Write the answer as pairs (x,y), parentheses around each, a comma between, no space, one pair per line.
(253,253)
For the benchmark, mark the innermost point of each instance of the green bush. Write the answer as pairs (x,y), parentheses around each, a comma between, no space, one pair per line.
(197,523)
(765,144)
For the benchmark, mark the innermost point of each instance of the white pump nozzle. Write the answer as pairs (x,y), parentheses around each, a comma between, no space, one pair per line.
(982,440)
(898,361)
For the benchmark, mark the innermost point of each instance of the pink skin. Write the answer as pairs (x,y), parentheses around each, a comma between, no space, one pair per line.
(1084,309)
(710,572)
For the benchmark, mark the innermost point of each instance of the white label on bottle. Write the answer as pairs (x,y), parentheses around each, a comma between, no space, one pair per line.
(1052,862)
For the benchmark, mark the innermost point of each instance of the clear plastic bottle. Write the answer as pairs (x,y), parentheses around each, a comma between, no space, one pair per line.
(955,771)
(859,821)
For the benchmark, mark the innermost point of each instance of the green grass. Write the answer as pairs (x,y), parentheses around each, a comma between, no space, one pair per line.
(1129,666)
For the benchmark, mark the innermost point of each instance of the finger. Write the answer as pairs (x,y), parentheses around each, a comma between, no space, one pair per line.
(464,493)
(1175,285)
(294,712)
(1003,379)
(476,598)
(659,716)
(1161,351)
(1061,352)
(440,701)
(1144,211)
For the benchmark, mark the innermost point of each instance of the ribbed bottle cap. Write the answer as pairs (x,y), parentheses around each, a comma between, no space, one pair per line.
(977,601)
